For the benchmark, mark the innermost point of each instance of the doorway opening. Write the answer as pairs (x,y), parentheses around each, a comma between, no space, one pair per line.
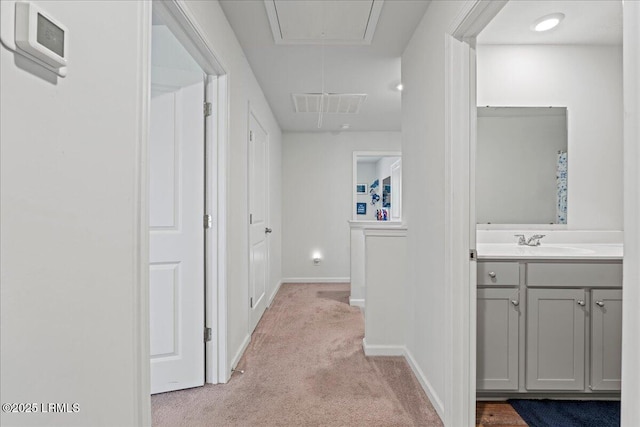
(186,205)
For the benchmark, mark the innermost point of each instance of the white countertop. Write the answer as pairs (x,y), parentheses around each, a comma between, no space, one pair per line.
(555,251)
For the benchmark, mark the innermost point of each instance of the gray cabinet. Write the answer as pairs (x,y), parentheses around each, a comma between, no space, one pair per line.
(548,327)
(555,339)
(606,339)
(497,338)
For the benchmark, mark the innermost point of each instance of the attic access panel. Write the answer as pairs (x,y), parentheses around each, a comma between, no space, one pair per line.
(345,22)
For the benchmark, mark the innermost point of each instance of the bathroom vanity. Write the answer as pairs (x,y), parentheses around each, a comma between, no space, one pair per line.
(549,320)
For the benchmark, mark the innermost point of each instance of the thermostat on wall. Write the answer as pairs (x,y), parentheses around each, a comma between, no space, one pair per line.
(35,34)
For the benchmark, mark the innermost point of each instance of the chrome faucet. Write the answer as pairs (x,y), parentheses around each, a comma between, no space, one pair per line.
(531,241)
(522,241)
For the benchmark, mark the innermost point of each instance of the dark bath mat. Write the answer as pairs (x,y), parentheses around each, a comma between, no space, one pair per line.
(568,413)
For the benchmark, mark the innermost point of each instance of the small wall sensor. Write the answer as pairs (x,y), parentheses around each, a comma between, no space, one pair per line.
(317,257)
(33,33)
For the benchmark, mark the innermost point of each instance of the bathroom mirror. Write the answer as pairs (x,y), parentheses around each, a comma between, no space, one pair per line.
(521,165)
(377,187)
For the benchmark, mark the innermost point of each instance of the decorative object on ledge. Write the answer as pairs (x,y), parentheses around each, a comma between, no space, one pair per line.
(361,208)
(361,189)
(382,214)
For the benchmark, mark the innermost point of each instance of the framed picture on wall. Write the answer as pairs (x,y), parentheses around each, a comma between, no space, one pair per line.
(361,208)
(361,189)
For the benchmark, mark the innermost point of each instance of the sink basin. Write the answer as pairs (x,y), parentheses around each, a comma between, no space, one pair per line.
(549,250)
(557,250)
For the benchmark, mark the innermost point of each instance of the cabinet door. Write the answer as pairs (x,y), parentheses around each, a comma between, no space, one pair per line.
(497,339)
(555,339)
(606,339)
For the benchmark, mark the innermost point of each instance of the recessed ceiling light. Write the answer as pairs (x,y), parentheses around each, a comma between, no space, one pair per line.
(399,87)
(345,126)
(547,22)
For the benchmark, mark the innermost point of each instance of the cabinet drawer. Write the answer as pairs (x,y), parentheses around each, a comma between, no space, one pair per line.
(498,273)
(574,274)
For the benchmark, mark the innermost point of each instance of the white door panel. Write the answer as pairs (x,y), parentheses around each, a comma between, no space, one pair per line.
(176,280)
(258,206)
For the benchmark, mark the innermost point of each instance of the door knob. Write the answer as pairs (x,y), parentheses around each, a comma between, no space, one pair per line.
(492,274)
(580,303)
(267,230)
(600,303)
(515,302)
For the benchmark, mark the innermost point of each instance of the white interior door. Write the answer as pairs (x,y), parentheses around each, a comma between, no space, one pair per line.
(176,279)
(258,221)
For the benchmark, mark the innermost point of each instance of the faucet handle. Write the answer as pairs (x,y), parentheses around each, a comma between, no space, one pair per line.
(521,239)
(535,240)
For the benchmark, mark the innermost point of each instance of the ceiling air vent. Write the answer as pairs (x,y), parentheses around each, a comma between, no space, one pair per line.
(336,103)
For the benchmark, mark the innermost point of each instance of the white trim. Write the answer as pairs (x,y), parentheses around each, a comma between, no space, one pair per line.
(190,35)
(460,294)
(630,410)
(224,370)
(424,382)
(316,280)
(382,350)
(356,302)
(211,235)
(141,330)
(274,293)
(239,353)
(386,232)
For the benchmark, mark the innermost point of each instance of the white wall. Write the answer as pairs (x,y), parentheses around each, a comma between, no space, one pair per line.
(423,169)
(69,212)
(244,93)
(69,222)
(588,81)
(317,196)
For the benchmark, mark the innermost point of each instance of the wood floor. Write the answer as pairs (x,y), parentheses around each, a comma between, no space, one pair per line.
(497,414)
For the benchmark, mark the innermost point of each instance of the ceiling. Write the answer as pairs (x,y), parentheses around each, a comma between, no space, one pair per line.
(588,22)
(350,66)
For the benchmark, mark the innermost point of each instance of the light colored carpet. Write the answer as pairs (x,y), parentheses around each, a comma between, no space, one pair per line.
(305,367)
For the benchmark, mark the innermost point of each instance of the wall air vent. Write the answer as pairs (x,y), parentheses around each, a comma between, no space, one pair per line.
(332,103)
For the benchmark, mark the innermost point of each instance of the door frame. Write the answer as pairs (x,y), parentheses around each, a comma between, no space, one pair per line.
(251,112)
(461,326)
(183,25)
(460,269)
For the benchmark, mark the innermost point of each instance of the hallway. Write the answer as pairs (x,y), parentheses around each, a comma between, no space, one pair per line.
(305,366)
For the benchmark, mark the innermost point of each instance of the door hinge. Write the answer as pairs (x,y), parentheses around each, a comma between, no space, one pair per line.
(208,109)
(250,135)
(473,255)
(250,218)
(251,302)
(207,221)
(208,334)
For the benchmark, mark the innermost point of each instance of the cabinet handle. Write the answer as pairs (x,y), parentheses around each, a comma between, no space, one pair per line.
(515,302)
(580,303)
(492,274)
(600,303)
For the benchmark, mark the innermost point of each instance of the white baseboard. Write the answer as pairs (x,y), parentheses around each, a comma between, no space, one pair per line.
(355,302)
(426,385)
(240,352)
(316,280)
(382,350)
(273,294)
